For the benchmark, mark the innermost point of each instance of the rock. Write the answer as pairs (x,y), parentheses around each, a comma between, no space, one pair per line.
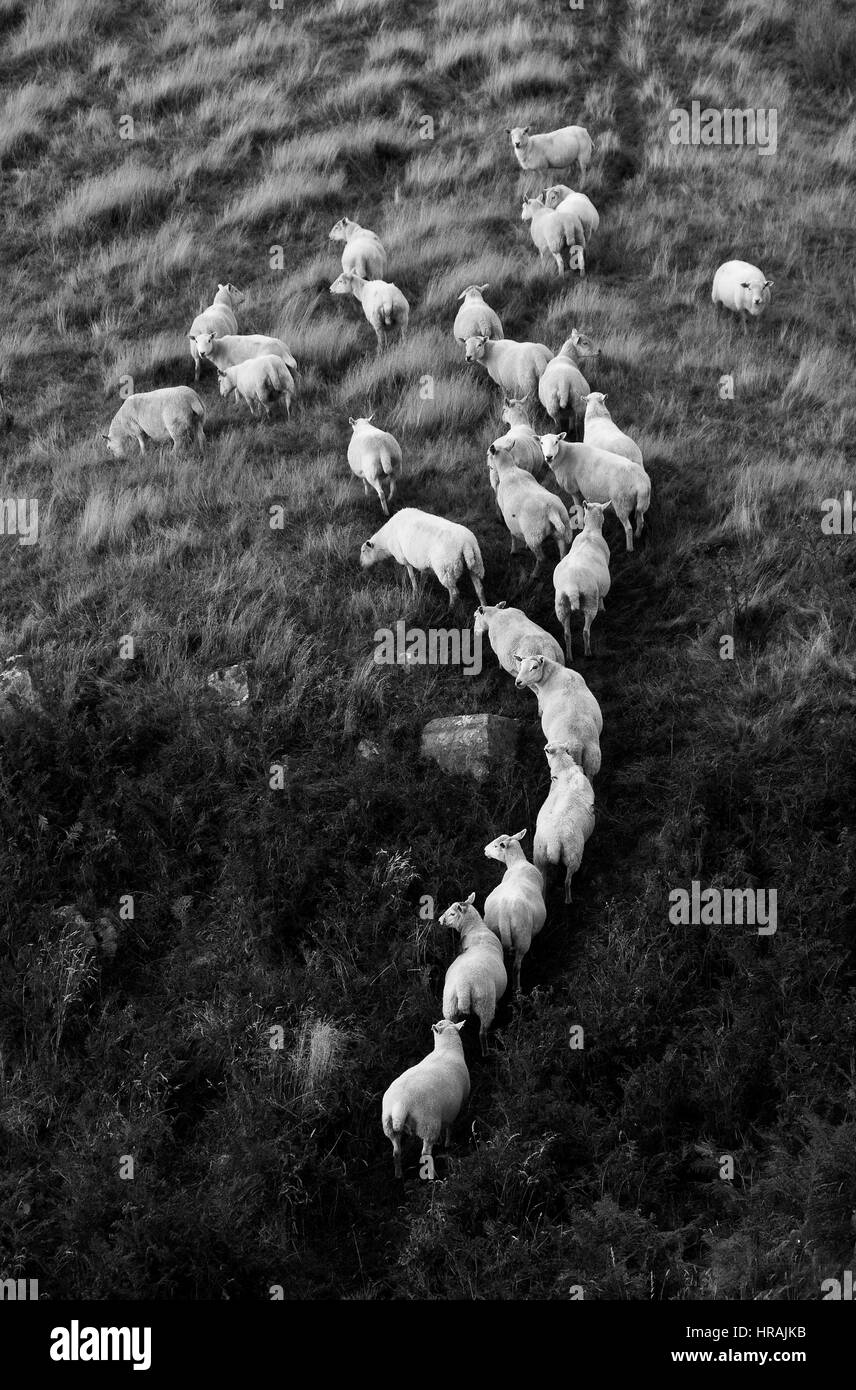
(471,744)
(231,685)
(367,749)
(18,695)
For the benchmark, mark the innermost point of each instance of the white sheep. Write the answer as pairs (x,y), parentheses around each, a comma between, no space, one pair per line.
(173,412)
(531,513)
(569,712)
(426,1099)
(581,578)
(513,636)
(554,149)
(420,541)
(363,251)
(561,198)
(602,431)
(515,909)
(566,819)
(383,304)
(556,234)
(474,316)
(520,434)
(229,349)
(259,379)
(375,456)
(516,367)
(476,979)
(742,288)
(219,317)
(562,389)
(595,475)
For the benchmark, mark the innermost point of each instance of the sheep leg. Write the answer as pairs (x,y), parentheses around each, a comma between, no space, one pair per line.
(412,573)
(380,494)
(479,588)
(640,521)
(538,552)
(365,487)
(518,961)
(568,645)
(483,1041)
(628,531)
(516,544)
(426,1153)
(396,1154)
(391,488)
(454,596)
(589,619)
(557,257)
(568,876)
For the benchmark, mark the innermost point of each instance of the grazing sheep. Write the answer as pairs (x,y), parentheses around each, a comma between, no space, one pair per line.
(554,149)
(531,513)
(231,348)
(475,317)
(513,636)
(742,288)
(263,379)
(516,367)
(595,475)
(569,712)
(420,541)
(173,412)
(556,233)
(581,578)
(363,251)
(375,456)
(566,819)
(476,979)
(219,317)
(383,304)
(562,388)
(426,1099)
(520,434)
(602,431)
(561,198)
(515,909)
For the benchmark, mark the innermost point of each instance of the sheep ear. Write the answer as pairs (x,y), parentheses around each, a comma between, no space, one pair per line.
(471,899)
(526,129)
(369,418)
(519,836)
(482,288)
(351,420)
(768,284)
(460,1025)
(563,435)
(502,603)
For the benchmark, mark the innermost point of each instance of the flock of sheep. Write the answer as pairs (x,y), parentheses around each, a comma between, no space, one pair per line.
(601,467)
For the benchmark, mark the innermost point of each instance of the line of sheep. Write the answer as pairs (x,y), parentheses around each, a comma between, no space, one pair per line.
(604,469)
(600,468)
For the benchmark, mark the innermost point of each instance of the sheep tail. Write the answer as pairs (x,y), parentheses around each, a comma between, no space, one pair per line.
(505,932)
(197,407)
(386,463)
(473,560)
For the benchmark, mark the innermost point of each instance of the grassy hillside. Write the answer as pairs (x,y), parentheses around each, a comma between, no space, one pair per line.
(255,908)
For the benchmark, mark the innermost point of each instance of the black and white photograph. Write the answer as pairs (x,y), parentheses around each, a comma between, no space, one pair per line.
(427,665)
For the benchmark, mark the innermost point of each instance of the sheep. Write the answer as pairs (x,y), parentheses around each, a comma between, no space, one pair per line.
(219,317)
(742,288)
(474,316)
(566,819)
(383,304)
(596,475)
(476,979)
(516,367)
(375,456)
(420,541)
(263,379)
(228,349)
(426,1099)
(556,232)
(520,434)
(562,388)
(581,578)
(569,712)
(173,412)
(561,198)
(363,251)
(515,909)
(513,636)
(601,430)
(530,512)
(554,149)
